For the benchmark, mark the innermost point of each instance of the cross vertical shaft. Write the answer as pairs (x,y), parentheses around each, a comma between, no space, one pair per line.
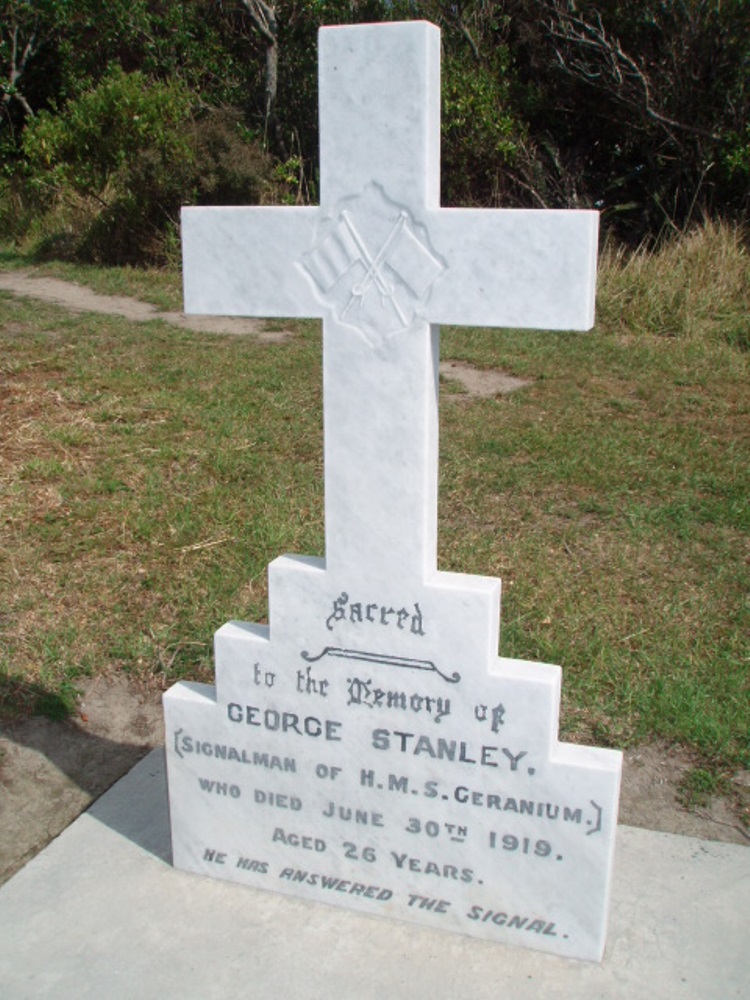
(380,401)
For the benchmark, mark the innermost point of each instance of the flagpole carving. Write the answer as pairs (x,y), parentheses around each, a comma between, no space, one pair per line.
(374,273)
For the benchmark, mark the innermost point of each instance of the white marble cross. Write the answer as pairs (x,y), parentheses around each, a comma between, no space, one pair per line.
(382,263)
(368,747)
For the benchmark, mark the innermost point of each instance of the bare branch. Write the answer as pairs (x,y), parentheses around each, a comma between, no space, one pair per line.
(458,17)
(17,69)
(263,16)
(590,54)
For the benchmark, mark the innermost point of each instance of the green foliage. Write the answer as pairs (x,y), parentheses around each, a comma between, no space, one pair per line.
(640,109)
(736,155)
(645,103)
(132,152)
(27,28)
(230,166)
(73,44)
(480,134)
(96,135)
(699,786)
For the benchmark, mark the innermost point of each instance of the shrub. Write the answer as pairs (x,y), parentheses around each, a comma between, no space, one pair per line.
(112,168)
(95,136)
(480,135)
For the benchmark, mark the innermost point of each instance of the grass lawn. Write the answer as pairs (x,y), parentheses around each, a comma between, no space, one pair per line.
(148,476)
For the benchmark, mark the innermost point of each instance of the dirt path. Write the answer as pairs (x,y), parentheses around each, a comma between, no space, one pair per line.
(78,298)
(51,771)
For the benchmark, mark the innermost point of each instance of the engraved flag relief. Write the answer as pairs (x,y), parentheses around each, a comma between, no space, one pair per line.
(376,286)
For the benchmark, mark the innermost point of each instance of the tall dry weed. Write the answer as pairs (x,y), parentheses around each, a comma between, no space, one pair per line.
(694,286)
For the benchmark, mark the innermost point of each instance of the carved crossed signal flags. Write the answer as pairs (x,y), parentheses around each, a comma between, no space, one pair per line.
(401,271)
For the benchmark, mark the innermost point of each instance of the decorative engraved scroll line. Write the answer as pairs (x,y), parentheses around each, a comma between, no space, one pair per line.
(392,661)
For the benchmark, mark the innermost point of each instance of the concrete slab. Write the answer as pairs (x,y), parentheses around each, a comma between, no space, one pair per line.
(101,913)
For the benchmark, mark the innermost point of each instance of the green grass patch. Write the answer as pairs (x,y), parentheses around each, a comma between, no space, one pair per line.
(699,786)
(149,475)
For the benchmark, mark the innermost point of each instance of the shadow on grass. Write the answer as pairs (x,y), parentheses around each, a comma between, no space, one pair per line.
(40,720)
(52,766)
(20,699)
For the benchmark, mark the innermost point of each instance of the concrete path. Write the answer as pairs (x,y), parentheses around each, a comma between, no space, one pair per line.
(101,913)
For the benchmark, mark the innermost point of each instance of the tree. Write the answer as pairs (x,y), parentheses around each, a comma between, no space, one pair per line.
(262,16)
(26,31)
(126,154)
(17,48)
(639,108)
(661,94)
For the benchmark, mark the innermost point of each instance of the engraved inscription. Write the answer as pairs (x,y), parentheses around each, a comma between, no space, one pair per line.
(455,814)
(366,746)
(364,691)
(370,612)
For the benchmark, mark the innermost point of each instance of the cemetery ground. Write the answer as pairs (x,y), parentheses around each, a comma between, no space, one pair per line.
(149,473)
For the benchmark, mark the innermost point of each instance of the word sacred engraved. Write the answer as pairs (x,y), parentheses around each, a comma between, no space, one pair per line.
(360,612)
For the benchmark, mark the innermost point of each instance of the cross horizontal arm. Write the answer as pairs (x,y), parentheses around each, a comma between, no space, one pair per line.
(240,261)
(514,268)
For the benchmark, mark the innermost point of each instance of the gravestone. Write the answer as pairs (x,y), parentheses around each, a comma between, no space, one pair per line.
(368,748)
